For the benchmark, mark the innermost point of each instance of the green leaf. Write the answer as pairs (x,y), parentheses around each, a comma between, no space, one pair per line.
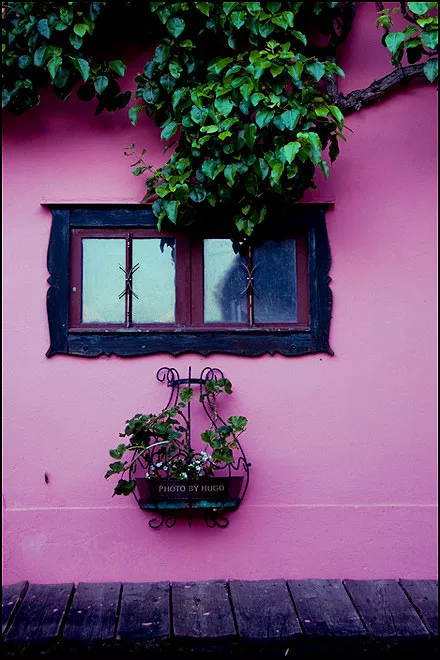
(39,56)
(118,67)
(430,39)
(168,83)
(162,53)
(204,7)
(290,150)
(316,70)
(237,422)
(24,61)
(133,113)
(325,168)
(208,436)
(101,84)
(176,26)
(230,172)
(223,455)
(75,41)
(178,96)
(83,67)
(393,41)
(276,173)
(80,29)
(337,114)
(53,65)
(418,8)
(212,128)
(171,210)
(295,70)
(43,28)
(168,131)
(186,394)
(265,29)
(431,69)
(290,118)
(198,193)
(209,168)
(238,19)
(223,106)
(150,95)
(246,89)
(175,69)
(276,69)
(250,134)
(219,64)
(300,36)
(263,168)
(198,115)
(264,116)
(5,97)
(118,452)
(125,487)
(256,98)
(273,7)
(117,467)
(228,7)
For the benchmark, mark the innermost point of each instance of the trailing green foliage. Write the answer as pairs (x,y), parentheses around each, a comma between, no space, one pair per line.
(49,42)
(417,40)
(159,442)
(238,88)
(238,84)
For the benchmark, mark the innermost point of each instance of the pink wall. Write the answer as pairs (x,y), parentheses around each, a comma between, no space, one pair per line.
(342,448)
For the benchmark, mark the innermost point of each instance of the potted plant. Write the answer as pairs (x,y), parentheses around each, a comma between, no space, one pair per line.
(159,465)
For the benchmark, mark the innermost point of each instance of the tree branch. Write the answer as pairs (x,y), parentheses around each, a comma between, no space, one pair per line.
(378,89)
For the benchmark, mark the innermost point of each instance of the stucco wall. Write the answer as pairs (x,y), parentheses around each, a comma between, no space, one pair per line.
(342,448)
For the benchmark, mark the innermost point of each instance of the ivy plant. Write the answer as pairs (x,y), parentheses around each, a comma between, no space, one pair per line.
(158,444)
(245,93)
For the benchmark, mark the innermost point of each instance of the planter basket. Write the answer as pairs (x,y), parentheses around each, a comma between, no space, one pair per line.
(204,493)
(211,495)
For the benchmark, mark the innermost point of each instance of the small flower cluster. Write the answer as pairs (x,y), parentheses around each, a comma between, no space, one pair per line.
(198,465)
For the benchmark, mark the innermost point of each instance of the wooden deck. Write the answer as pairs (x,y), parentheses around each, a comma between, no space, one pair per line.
(269,618)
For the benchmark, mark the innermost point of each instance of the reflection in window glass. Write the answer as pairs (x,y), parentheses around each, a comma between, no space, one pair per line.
(154,280)
(225,298)
(103,280)
(275,284)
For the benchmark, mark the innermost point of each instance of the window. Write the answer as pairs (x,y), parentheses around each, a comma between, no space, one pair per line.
(118,285)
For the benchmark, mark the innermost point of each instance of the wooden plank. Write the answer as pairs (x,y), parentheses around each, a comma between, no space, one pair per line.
(325,609)
(92,616)
(145,611)
(39,618)
(264,610)
(386,611)
(423,594)
(11,595)
(201,610)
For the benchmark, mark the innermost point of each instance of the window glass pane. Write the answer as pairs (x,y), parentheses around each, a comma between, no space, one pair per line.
(103,280)
(225,299)
(275,285)
(154,280)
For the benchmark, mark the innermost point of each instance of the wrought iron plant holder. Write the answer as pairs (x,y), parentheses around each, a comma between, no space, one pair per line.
(212,496)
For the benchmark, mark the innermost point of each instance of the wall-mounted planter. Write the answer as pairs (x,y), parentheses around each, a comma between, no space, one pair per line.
(205,493)
(210,495)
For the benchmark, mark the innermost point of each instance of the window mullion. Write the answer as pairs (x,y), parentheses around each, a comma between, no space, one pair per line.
(250,287)
(128,281)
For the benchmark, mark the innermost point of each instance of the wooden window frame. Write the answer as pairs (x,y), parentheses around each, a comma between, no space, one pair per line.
(188,334)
